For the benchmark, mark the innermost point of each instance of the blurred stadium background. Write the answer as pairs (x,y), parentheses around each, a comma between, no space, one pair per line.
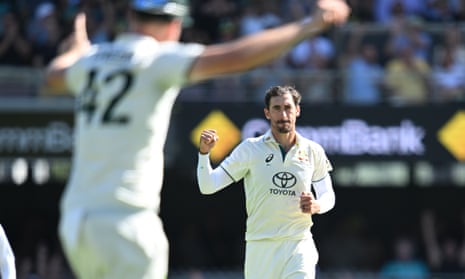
(384,94)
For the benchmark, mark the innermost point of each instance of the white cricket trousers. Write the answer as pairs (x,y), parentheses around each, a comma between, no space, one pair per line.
(115,245)
(284,259)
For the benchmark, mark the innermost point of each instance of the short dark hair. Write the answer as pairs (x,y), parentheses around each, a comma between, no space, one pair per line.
(281,90)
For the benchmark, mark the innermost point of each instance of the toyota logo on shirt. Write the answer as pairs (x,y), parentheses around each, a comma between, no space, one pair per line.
(284,180)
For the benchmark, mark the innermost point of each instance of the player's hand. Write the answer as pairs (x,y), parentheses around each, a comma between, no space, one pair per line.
(308,203)
(208,139)
(78,40)
(333,11)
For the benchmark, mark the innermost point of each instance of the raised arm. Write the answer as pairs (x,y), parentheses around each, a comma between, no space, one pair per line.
(210,181)
(74,47)
(254,50)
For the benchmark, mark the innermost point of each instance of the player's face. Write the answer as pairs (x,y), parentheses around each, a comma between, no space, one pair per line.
(282,113)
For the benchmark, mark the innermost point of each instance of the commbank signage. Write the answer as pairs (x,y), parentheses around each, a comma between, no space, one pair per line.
(351,136)
(408,133)
(369,146)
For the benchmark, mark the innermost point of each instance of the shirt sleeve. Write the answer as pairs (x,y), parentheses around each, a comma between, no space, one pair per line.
(322,163)
(177,62)
(325,195)
(75,77)
(211,180)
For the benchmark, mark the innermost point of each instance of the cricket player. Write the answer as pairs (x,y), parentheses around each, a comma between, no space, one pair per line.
(279,170)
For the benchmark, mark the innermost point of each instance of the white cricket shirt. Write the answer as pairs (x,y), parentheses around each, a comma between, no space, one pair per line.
(125,92)
(273,184)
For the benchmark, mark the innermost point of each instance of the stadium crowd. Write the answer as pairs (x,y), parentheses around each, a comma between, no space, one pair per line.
(397,52)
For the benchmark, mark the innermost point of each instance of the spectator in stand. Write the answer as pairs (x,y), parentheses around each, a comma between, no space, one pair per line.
(250,22)
(24,8)
(210,15)
(312,59)
(270,14)
(409,31)
(101,20)
(452,40)
(439,11)
(404,263)
(292,9)
(228,31)
(362,10)
(45,33)
(445,254)
(67,10)
(394,28)
(386,10)
(315,53)
(407,78)
(262,78)
(363,73)
(15,49)
(256,17)
(459,10)
(448,78)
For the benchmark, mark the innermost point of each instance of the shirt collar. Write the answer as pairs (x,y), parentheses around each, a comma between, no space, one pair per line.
(132,37)
(268,137)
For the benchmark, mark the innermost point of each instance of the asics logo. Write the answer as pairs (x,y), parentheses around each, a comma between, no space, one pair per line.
(269,158)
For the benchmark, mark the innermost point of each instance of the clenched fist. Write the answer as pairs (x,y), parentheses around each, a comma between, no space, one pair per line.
(208,139)
(308,203)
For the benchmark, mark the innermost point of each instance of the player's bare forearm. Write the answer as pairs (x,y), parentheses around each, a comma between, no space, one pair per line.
(75,46)
(258,49)
(55,72)
(251,51)
(248,52)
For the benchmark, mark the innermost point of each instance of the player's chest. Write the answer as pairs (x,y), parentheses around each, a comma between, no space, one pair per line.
(297,162)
